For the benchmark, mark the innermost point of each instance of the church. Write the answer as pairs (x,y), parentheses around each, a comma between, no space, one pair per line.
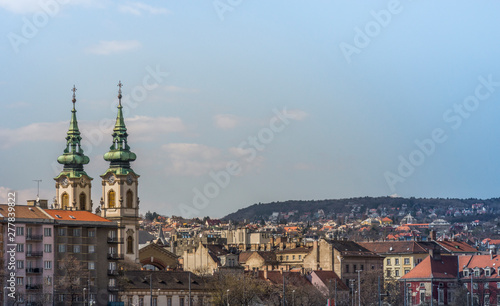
(119,200)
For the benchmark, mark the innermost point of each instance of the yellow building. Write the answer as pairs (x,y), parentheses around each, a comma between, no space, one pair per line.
(400,256)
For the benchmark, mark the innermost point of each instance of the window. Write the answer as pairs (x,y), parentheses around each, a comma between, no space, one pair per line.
(62,232)
(440,296)
(20,264)
(354,268)
(450,299)
(83,200)
(20,231)
(47,264)
(346,268)
(47,248)
(91,233)
(112,265)
(422,297)
(286,257)
(396,261)
(388,273)
(486,285)
(19,281)
(181,301)
(486,299)
(65,201)
(293,257)
(76,249)
(361,267)
(20,247)
(141,301)
(112,282)
(61,248)
(130,245)
(155,301)
(406,271)
(475,286)
(396,272)
(300,257)
(91,265)
(111,199)
(487,272)
(407,261)
(169,301)
(91,248)
(130,198)
(476,273)
(77,232)
(388,261)
(48,280)
(498,286)
(47,232)
(466,272)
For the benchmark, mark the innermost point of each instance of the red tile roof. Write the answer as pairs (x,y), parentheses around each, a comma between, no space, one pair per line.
(74,215)
(445,267)
(24,211)
(326,276)
(457,247)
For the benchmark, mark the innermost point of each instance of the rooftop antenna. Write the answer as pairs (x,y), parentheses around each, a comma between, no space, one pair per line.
(38,189)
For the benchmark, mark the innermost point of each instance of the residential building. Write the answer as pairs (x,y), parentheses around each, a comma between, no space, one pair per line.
(292,258)
(207,259)
(169,288)
(260,260)
(481,272)
(435,277)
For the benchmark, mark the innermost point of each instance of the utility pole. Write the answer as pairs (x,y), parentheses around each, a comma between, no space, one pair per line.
(151,289)
(359,288)
(38,188)
(379,300)
(283,273)
(189,303)
(335,301)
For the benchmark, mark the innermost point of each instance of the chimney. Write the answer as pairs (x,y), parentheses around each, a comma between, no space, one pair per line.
(435,254)
(432,235)
(265,273)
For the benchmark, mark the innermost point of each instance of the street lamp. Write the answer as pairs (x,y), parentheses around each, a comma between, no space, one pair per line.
(227,297)
(84,290)
(293,297)
(359,288)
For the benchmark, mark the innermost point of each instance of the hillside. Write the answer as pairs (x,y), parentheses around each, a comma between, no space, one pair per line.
(332,208)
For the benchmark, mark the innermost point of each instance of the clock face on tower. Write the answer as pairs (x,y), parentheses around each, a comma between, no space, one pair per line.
(129,179)
(65,181)
(111,179)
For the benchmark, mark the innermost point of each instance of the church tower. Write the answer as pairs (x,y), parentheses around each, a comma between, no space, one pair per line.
(73,185)
(119,200)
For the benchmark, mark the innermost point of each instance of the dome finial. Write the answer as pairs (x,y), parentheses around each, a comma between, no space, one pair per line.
(120,93)
(74,96)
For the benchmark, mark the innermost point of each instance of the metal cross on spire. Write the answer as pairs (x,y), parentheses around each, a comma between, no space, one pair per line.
(120,92)
(74,96)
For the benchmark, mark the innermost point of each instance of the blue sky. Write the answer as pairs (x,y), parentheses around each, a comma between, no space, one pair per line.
(341,98)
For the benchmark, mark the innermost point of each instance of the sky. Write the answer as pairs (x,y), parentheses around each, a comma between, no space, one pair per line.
(232,102)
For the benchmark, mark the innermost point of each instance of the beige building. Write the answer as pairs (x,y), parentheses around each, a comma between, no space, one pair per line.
(343,257)
(293,258)
(207,259)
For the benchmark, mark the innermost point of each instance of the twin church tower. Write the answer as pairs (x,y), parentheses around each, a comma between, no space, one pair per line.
(119,201)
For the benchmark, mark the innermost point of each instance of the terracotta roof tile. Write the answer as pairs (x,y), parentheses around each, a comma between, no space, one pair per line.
(446,267)
(24,212)
(74,215)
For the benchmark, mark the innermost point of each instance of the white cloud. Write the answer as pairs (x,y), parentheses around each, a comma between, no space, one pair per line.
(226,121)
(142,128)
(33,6)
(113,46)
(44,131)
(137,8)
(296,114)
(191,159)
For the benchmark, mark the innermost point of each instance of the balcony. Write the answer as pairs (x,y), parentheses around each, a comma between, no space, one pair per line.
(115,240)
(113,272)
(34,254)
(34,237)
(34,270)
(33,287)
(115,256)
(113,288)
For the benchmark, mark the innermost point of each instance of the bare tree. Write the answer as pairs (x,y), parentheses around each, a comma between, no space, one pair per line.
(69,283)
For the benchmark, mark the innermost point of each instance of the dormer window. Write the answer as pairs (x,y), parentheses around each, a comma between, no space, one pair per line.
(466,272)
(477,272)
(487,271)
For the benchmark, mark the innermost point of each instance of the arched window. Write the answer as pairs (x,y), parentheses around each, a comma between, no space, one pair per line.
(111,199)
(65,201)
(130,245)
(83,200)
(130,197)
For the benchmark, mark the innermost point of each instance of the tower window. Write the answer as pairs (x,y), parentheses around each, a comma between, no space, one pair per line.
(65,201)
(111,199)
(129,199)
(83,200)
(130,245)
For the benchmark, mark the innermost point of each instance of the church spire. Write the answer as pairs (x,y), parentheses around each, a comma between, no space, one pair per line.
(73,158)
(119,154)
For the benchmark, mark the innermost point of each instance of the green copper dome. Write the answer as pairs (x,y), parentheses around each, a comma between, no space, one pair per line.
(73,158)
(119,154)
